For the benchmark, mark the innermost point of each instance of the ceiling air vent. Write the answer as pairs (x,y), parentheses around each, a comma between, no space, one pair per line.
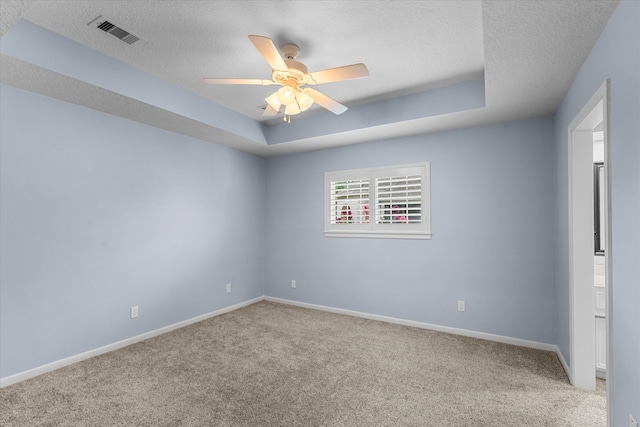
(109,27)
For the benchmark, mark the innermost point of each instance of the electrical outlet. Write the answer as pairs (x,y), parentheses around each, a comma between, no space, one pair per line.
(293,284)
(228,288)
(632,421)
(134,311)
(460,305)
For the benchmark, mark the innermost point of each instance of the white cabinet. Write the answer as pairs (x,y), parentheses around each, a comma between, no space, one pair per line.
(599,312)
(601,344)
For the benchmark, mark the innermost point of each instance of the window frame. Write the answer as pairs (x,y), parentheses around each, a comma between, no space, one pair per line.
(374,229)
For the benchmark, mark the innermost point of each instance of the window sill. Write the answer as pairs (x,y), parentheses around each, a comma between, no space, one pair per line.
(378,235)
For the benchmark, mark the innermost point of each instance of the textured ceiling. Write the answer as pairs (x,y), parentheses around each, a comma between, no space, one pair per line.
(418,53)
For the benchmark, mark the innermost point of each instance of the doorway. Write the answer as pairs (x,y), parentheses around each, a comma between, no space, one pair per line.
(592,117)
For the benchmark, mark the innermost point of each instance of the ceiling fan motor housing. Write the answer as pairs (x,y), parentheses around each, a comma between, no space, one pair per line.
(297,71)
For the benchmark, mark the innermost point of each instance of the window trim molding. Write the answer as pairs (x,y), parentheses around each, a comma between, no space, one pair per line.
(421,231)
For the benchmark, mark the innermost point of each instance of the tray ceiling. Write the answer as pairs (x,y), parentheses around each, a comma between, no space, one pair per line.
(423,58)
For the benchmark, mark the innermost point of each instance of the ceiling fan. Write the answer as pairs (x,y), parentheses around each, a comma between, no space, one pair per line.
(292,76)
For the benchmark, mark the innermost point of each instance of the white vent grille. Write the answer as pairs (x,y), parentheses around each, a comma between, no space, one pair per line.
(109,27)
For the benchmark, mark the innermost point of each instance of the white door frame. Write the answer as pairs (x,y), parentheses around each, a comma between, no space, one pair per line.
(581,245)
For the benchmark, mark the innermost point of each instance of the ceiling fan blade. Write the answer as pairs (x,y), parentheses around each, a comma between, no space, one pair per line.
(269,52)
(324,101)
(239,82)
(354,71)
(270,111)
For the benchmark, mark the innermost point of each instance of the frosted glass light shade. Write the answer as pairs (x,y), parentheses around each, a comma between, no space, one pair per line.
(304,100)
(286,95)
(274,101)
(292,109)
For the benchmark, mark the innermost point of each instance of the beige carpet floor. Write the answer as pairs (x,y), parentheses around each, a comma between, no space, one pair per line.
(271,364)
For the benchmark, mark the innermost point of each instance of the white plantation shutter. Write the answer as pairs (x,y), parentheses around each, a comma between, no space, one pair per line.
(399,199)
(350,202)
(389,202)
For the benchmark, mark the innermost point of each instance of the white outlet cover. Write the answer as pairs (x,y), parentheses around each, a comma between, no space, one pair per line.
(134,311)
(632,421)
(228,288)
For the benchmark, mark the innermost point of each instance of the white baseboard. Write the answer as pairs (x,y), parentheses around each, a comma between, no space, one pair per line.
(439,328)
(564,364)
(12,379)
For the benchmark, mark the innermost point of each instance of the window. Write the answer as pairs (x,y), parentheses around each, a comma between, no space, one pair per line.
(387,202)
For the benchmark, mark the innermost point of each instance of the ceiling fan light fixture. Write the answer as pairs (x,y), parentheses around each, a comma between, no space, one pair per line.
(286,95)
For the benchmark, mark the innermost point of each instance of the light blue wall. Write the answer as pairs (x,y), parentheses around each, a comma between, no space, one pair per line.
(99,213)
(492,221)
(616,56)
